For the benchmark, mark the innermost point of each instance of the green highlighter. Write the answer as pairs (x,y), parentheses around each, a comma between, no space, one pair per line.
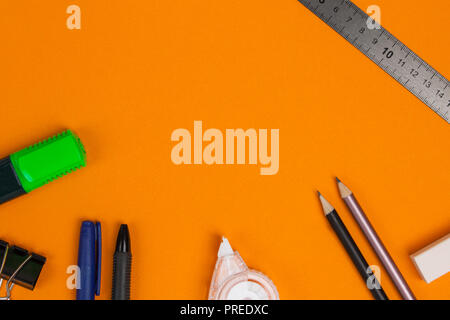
(45,161)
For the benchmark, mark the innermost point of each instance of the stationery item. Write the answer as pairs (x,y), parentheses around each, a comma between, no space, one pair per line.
(375,241)
(433,261)
(352,249)
(233,280)
(122,265)
(90,260)
(18,266)
(376,43)
(45,161)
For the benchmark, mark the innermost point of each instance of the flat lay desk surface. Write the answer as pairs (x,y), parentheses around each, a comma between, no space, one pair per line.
(136,71)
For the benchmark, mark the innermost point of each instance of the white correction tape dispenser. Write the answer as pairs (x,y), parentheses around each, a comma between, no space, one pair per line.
(233,280)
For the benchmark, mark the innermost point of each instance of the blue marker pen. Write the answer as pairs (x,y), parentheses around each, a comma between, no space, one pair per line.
(89,260)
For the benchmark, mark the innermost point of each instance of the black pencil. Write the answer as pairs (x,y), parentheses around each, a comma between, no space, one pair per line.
(353,251)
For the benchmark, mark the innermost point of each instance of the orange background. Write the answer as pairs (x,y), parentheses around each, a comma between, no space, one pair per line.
(137,70)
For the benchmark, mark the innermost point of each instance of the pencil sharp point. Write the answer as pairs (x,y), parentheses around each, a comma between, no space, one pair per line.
(318,193)
(343,189)
(338,180)
(326,206)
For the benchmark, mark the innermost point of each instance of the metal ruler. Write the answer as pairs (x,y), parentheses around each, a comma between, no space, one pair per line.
(386,51)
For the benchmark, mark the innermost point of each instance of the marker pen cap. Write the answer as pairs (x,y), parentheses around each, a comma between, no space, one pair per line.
(45,161)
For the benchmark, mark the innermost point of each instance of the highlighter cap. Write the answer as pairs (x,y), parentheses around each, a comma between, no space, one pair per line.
(48,160)
(10,186)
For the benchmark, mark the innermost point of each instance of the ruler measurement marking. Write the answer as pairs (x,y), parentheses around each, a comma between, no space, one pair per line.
(384,49)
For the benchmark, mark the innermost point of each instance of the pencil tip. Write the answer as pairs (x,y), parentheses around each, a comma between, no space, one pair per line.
(337,180)
(318,193)
(326,206)
(343,189)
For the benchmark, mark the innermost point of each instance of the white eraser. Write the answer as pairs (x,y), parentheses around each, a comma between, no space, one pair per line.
(433,261)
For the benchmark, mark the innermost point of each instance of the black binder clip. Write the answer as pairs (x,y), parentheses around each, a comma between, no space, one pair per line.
(18,266)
